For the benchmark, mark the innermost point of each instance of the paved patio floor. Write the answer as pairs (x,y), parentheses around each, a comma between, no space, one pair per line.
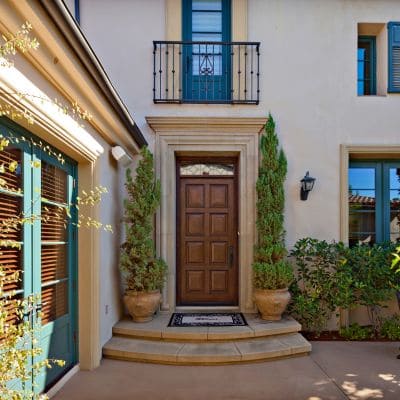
(335,370)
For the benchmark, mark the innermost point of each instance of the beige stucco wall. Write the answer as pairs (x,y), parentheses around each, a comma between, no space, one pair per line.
(308,82)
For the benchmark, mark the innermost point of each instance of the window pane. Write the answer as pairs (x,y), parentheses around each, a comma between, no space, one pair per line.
(11,263)
(206,21)
(359,238)
(207,169)
(12,179)
(54,262)
(361,178)
(366,66)
(395,180)
(54,223)
(362,222)
(54,302)
(360,71)
(362,205)
(362,201)
(207,5)
(10,214)
(54,183)
(207,37)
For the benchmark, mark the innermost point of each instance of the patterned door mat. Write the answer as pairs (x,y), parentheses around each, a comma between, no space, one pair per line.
(207,319)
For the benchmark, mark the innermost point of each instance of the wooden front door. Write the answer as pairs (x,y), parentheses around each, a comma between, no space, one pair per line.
(207,250)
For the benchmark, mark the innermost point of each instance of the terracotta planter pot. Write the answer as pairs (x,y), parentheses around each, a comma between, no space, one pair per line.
(271,303)
(142,305)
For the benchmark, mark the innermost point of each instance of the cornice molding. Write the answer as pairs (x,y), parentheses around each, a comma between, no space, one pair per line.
(190,125)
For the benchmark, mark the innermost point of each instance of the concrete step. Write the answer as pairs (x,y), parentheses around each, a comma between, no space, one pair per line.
(158,329)
(206,353)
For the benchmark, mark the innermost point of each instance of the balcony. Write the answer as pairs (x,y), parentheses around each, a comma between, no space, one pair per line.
(206,72)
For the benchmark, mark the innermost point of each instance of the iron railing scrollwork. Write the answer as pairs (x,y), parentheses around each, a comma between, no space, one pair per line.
(206,72)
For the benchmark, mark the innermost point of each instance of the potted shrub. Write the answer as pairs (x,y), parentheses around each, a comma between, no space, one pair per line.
(144,273)
(272,273)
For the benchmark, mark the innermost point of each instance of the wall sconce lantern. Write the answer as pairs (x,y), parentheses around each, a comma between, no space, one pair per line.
(307,184)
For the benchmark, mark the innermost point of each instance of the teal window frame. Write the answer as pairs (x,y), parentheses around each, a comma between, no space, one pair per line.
(31,245)
(217,82)
(382,194)
(370,41)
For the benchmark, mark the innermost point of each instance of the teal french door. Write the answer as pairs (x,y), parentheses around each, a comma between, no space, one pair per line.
(206,53)
(43,190)
(374,201)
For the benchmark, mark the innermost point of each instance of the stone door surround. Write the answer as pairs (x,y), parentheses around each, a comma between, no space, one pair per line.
(206,136)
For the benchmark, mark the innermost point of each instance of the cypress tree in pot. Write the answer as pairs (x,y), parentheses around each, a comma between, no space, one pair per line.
(144,273)
(272,273)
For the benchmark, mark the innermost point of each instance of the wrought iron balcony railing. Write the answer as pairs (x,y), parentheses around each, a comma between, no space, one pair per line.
(206,72)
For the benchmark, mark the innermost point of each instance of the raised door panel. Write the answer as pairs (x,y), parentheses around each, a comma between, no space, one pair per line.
(219,253)
(218,195)
(195,253)
(195,196)
(194,281)
(218,224)
(219,281)
(195,224)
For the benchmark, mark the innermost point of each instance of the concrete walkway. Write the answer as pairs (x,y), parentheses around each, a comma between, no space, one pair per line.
(335,370)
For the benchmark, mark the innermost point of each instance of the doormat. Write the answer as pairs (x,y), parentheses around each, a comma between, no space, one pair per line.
(207,319)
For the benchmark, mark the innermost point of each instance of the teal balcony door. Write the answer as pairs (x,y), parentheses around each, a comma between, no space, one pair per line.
(43,190)
(206,52)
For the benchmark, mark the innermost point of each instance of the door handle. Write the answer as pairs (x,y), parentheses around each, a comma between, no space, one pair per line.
(230,256)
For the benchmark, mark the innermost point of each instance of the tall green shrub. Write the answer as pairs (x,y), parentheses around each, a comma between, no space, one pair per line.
(271,271)
(143,271)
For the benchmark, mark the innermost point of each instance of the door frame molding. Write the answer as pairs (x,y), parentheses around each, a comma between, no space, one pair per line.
(195,159)
(202,136)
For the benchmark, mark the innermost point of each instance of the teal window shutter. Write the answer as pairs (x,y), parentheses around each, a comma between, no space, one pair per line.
(394,57)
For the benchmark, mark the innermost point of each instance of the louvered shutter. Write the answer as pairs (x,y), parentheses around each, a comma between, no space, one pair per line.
(10,230)
(394,57)
(54,271)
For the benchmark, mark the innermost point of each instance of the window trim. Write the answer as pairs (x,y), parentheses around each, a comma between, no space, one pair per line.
(369,152)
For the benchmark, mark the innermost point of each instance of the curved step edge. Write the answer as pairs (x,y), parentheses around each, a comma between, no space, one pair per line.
(179,353)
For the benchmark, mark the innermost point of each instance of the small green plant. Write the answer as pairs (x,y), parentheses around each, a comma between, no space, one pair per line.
(143,271)
(357,332)
(271,270)
(322,284)
(374,282)
(390,328)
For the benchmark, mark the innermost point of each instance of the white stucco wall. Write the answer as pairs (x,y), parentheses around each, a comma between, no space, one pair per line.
(308,82)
